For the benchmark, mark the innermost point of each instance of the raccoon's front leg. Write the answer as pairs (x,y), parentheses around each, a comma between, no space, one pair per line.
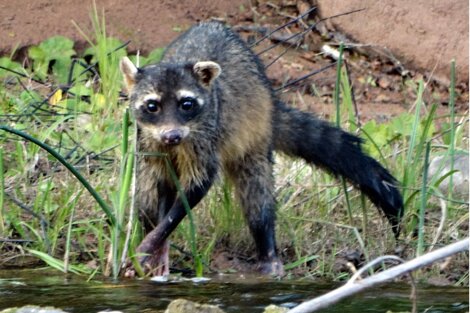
(154,198)
(155,240)
(158,262)
(254,184)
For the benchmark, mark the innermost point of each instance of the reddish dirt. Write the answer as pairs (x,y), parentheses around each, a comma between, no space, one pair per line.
(423,34)
(380,87)
(147,23)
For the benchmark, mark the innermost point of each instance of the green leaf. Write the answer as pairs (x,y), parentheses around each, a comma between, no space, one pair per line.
(80,90)
(300,261)
(402,125)
(379,134)
(75,105)
(30,96)
(57,47)
(446,135)
(36,53)
(142,60)
(8,63)
(61,69)
(59,264)
(155,56)
(110,44)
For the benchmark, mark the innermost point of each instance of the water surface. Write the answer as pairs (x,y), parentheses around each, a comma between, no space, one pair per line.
(232,293)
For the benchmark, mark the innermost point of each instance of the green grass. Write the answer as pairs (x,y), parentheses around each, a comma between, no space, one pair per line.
(76,218)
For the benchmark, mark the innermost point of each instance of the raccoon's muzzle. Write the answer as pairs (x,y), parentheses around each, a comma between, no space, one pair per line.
(172,137)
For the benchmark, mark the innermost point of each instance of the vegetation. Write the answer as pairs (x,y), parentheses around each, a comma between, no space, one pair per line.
(66,109)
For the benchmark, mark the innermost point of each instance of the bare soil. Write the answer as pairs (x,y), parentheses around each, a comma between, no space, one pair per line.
(422,34)
(379,80)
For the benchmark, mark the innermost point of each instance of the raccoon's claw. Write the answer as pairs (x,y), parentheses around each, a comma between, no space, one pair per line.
(273,267)
(155,264)
(129,272)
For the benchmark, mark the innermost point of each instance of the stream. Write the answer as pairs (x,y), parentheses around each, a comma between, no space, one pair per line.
(231,292)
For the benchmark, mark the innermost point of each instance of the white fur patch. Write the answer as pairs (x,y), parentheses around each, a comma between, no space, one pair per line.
(207,71)
(184,93)
(127,67)
(208,64)
(150,96)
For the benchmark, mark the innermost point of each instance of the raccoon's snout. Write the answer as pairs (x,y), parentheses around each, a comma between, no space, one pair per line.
(172,137)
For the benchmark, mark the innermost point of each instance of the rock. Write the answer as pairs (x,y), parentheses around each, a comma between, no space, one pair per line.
(275,309)
(384,82)
(32,309)
(186,306)
(440,166)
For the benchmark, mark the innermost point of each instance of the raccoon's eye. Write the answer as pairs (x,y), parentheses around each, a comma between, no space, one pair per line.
(152,105)
(187,104)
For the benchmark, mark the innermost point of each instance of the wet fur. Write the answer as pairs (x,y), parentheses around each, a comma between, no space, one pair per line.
(239,125)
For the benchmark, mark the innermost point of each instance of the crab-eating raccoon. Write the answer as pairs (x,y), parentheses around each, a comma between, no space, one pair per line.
(209,108)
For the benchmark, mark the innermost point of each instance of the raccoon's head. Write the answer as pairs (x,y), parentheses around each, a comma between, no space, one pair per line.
(170,101)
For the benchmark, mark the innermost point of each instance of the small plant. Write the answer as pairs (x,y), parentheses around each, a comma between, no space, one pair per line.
(55,52)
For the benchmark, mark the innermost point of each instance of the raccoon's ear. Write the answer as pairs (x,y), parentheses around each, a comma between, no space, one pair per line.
(207,71)
(129,71)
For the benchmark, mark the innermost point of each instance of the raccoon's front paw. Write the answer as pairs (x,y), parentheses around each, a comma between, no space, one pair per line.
(155,264)
(131,272)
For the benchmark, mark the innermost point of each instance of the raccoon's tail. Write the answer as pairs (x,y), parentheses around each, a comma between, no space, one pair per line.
(301,134)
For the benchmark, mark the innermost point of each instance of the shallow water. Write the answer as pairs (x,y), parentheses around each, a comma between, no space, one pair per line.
(233,294)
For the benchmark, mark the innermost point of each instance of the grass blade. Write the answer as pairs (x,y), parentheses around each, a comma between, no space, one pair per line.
(336,99)
(451,151)
(2,194)
(70,167)
(58,264)
(424,198)
(192,229)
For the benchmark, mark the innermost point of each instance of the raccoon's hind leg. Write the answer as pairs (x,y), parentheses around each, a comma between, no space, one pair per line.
(254,184)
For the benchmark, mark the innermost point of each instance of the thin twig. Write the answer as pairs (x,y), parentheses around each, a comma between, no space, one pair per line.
(284,26)
(441,224)
(305,77)
(302,33)
(349,289)
(42,220)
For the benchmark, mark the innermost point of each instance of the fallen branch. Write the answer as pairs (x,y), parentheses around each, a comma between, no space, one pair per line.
(358,286)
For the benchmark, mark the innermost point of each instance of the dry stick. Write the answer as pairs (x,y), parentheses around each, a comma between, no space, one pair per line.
(302,33)
(357,275)
(353,97)
(42,220)
(305,77)
(284,26)
(132,204)
(442,221)
(353,288)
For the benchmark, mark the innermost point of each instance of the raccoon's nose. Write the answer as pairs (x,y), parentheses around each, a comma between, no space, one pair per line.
(172,137)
